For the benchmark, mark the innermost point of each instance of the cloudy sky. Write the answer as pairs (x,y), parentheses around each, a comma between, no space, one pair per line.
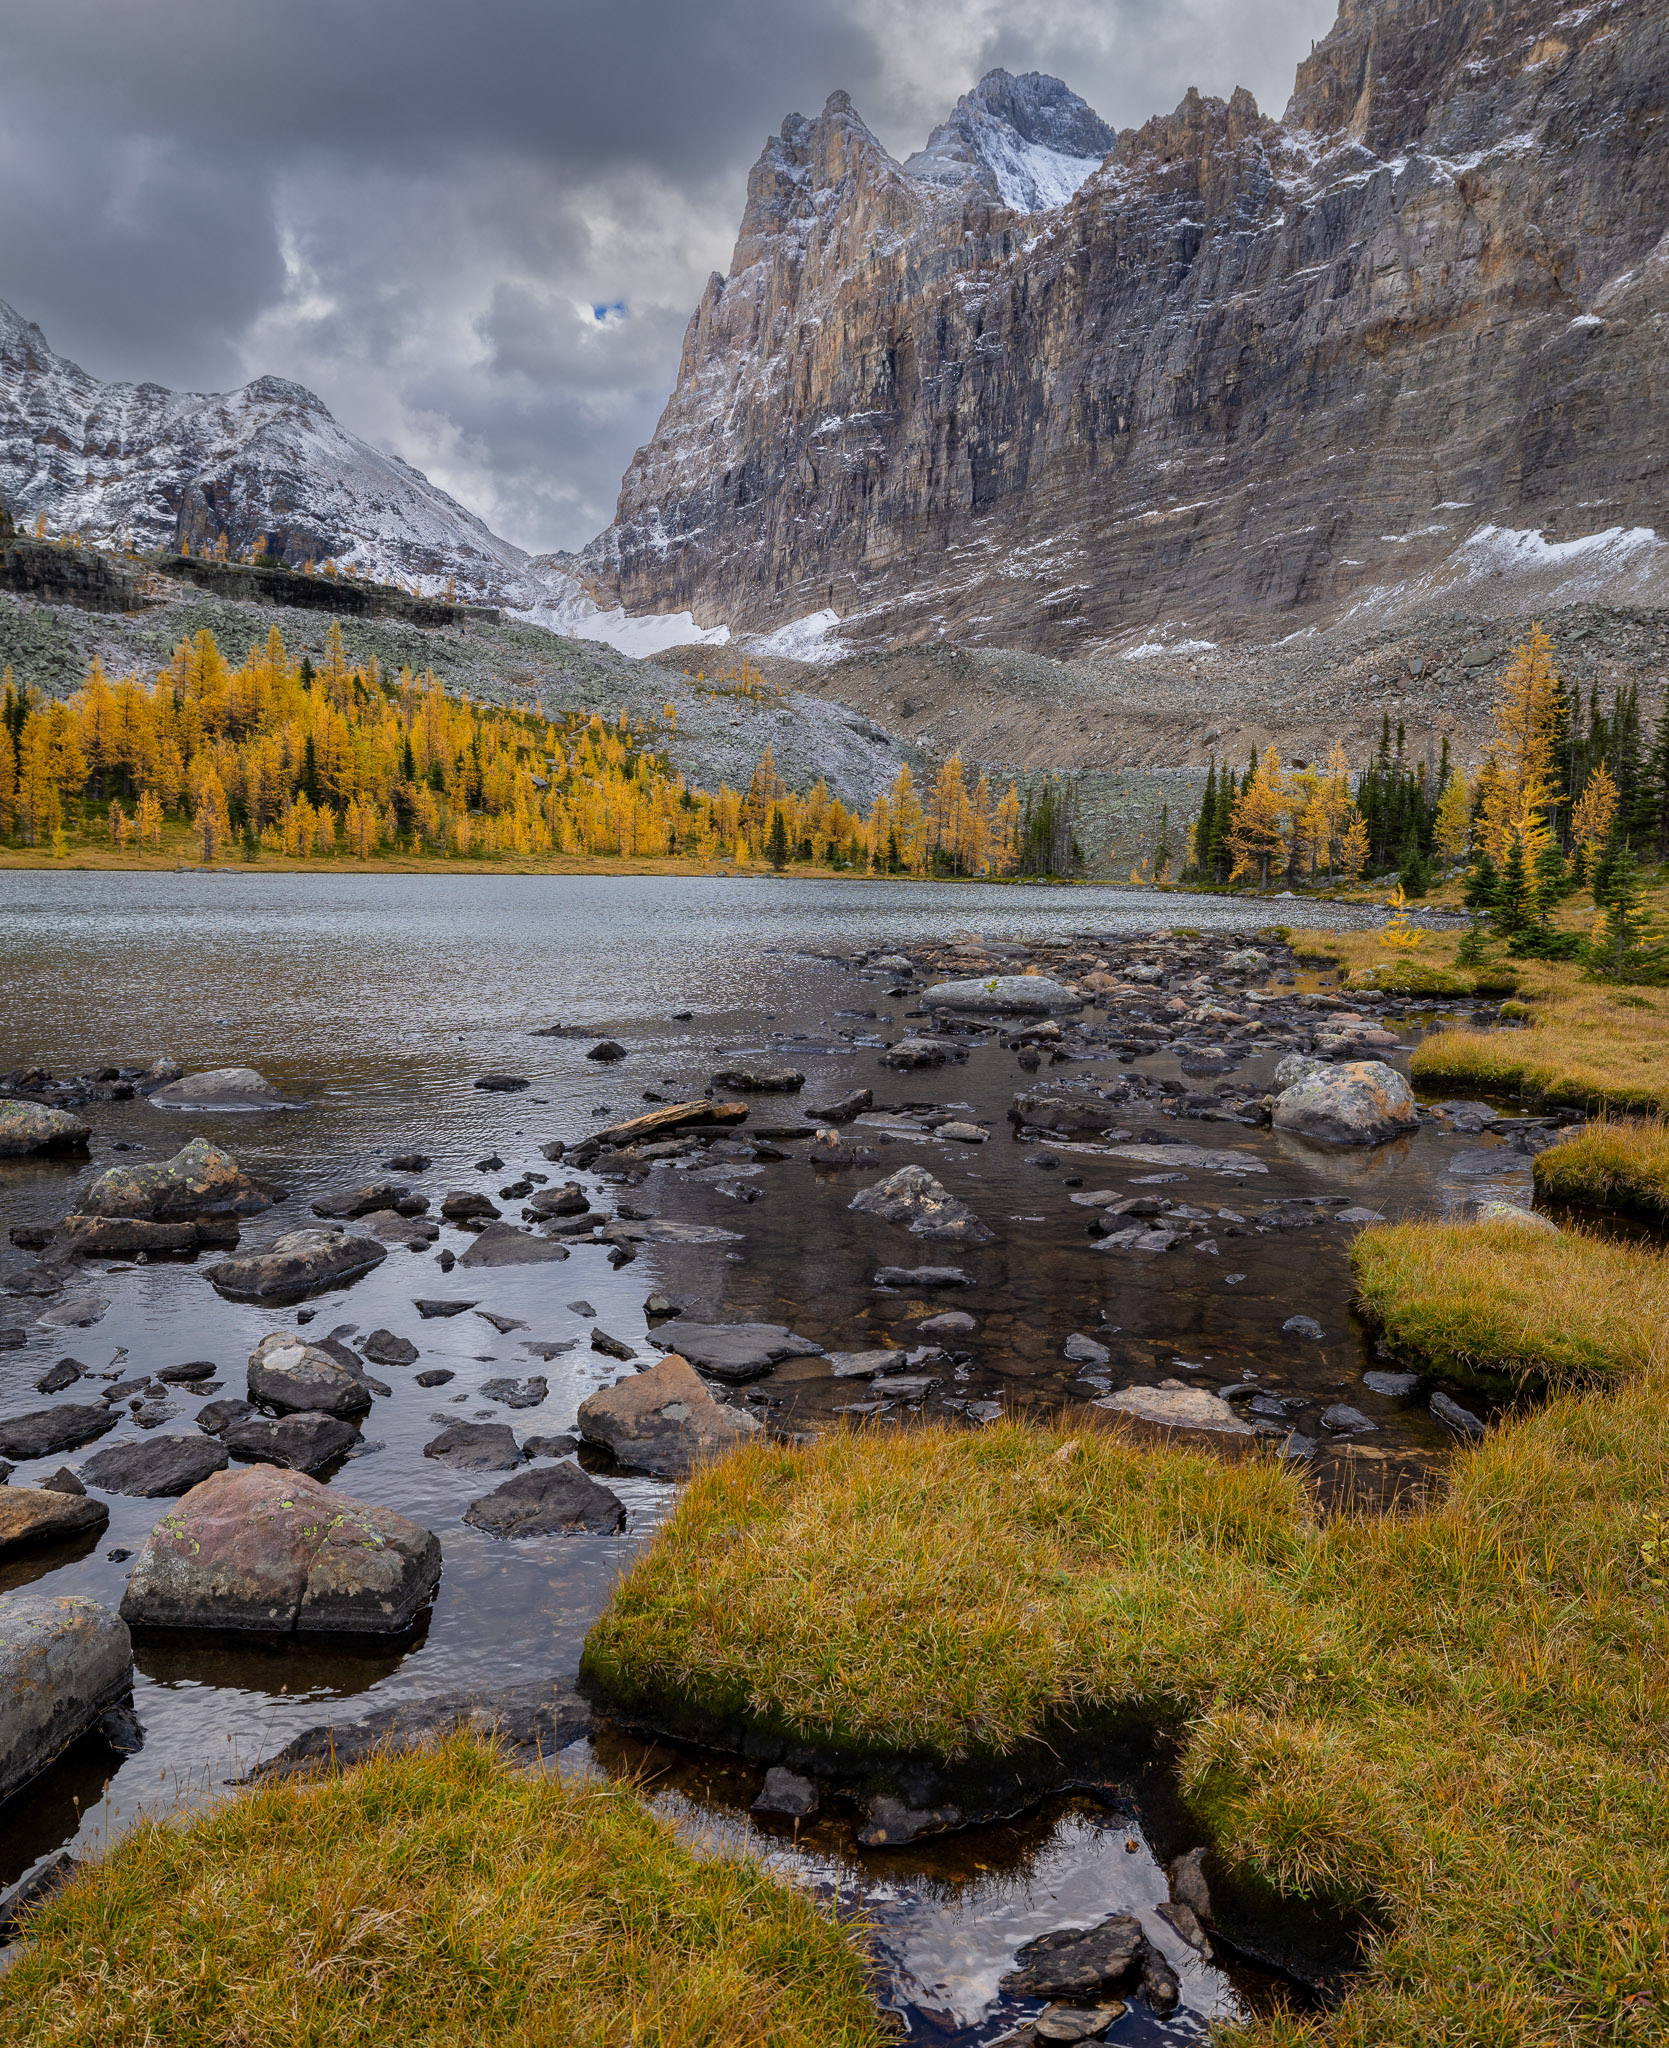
(478,230)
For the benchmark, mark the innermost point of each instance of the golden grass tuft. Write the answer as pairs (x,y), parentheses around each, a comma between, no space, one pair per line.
(437,1900)
(1482,1302)
(1619,1167)
(1453,1716)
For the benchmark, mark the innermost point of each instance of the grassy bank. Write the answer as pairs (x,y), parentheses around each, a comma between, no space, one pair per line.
(1587,1045)
(435,1899)
(1619,1168)
(1500,1304)
(1448,1717)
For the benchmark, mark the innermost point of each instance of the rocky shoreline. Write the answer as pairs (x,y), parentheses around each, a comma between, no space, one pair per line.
(264,1536)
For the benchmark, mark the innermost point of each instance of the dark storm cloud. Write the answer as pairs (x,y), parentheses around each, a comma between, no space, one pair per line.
(415,208)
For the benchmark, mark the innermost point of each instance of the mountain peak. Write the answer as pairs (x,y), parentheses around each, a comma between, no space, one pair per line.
(1028,141)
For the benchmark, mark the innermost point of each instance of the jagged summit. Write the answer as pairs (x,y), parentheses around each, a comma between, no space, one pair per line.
(1405,340)
(1030,142)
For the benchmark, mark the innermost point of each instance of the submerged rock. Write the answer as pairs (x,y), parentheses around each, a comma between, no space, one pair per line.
(529,1722)
(663,1421)
(1453,1416)
(27,1127)
(760,1080)
(913,1197)
(64,1660)
(157,1469)
(300,1263)
(786,1792)
(559,1500)
(33,1515)
(1078,1962)
(295,1377)
(1362,1102)
(269,1550)
(502,1244)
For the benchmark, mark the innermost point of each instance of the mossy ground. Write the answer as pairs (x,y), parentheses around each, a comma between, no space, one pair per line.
(1615,1166)
(437,1900)
(1451,1717)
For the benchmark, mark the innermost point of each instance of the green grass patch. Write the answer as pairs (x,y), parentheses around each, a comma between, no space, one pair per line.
(436,1900)
(1618,1167)
(1452,1716)
(1501,1304)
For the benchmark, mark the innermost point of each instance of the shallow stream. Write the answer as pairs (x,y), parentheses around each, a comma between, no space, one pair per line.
(378,1001)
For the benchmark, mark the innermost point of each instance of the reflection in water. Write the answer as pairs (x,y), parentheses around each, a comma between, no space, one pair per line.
(379,1000)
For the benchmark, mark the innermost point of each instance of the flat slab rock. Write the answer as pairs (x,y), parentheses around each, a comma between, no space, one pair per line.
(502,1244)
(734,1351)
(27,1127)
(296,1443)
(1177,1407)
(275,1551)
(528,1722)
(1202,1158)
(912,1197)
(300,1263)
(663,1421)
(43,1432)
(1009,995)
(64,1660)
(158,1468)
(476,1446)
(34,1515)
(558,1500)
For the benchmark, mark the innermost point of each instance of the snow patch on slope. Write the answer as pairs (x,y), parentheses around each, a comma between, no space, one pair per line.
(1510,569)
(1029,141)
(813,638)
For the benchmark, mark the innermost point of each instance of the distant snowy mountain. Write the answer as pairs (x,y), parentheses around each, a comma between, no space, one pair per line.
(154,467)
(1030,141)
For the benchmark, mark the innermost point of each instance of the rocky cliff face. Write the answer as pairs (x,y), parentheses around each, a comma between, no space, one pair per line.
(160,466)
(1247,369)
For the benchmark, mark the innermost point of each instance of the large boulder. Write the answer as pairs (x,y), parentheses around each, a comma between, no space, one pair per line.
(735,1351)
(275,1551)
(1041,1110)
(296,1378)
(663,1421)
(1005,995)
(298,1443)
(34,1515)
(155,1469)
(1360,1102)
(559,1500)
(27,1127)
(221,1088)
(913,1197)
(175,1204)
(64,1660)
(300,1263)
(43,1432)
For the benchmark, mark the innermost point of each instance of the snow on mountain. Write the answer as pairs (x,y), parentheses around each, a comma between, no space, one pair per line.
(1030,141)
(152,467)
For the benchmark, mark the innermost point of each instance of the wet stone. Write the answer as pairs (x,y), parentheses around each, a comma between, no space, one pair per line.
(158,1469)
(1304,1326)
(429,1309)
(296,1377)
(64,1661)
(1078,1962)
(64,1374)
(785,1792)
(298,1443)
(43,1431)
(31,1516)
(300,1263)
(512,1393)
(382,1347)
(1454,1417)
(476,1447)
(436,1376)
(734,1351)
(663,1421)
(214,1416)
(501,1244)
(559,1500)
(1395,1385)
(1344,1420)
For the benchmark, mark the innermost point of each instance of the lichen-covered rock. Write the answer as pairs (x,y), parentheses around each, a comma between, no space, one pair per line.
(27,1127)
(64,1660)
(1361,1102)
(1005,995)
(173,1204)
(663,1421)
(913,1197)
(295,1377)
(275,1551)
(300,1263)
